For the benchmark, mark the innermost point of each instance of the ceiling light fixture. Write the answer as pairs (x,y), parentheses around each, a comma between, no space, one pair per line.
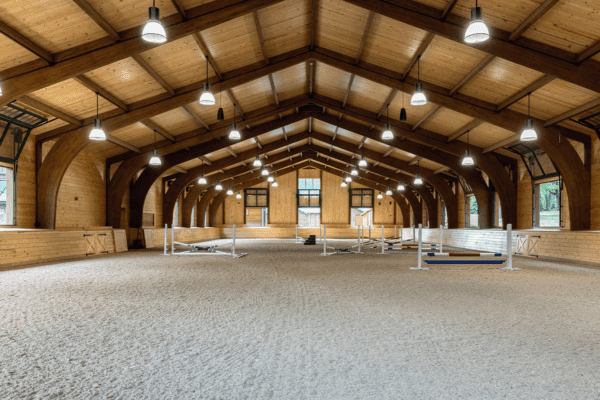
(264,172)
(354,171)
(418,181)
(219,186)
(257,162)
(418,98)
(380,196)
(220,113)
(344,184)
(155,159)
(274,184)
(202,180)
(403,110)
(468,160)
(238,195)
(400,187)
(477,31)
(97,133)
(387,134)
(207,98)
(229,192)
(270,179)
(529,132)
(362,162)
(388,192)
(348,179)
(234,134)
(153,31)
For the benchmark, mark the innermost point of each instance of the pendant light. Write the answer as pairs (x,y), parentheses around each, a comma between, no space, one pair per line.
(155,159)
(418,98)
(362,162)
(477,31)
(0,91)
(348,179)
(529,132)
(257,162)
(229,192)
(238,195)
(387,134)
(207,98)
(220,113)
(202,180)
(354,171)
(153,31)
(264,172)
(344,184)
(380,196)
(403,110)
(468,160)
(270,179)
(97,133)
(274,184)
(234,134)
(219,186)
(400,187)
(388,192)
(418,181)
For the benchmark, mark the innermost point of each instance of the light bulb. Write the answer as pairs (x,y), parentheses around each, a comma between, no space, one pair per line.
(380,196)
(477,31)
(264,172)
(400,187)
(155,159)
(354,171)
(418,180)
(229,192)
(388,192)
(238,195)
(344,184)
(97,133)
(202,180)
(362,162)
(418,98)
(529,132)
(468,160)
(234,134)
(218,187)
(348,179)
(153,31)
(387,134)
(274,184)
(207,98)
(270,179)
(257,162)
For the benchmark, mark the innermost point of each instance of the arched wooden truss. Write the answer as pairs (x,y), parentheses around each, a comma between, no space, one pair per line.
(320,62)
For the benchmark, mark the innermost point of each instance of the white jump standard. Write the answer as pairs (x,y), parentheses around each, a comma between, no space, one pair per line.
(197,249)
(508,254)
(345,250)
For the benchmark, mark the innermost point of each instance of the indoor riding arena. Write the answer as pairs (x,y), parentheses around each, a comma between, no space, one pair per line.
(300,199)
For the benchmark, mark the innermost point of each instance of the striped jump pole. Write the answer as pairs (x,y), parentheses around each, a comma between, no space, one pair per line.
(419,267)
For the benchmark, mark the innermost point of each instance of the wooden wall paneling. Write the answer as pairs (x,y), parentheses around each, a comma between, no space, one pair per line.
(120,240)
(335,200)
(233,211)
(282,201)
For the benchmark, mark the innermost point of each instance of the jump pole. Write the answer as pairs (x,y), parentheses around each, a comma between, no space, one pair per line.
(172,240)
(509,266)
(441,239)
(359,229)
(383,239)
(324,238)
(166,246)
(234,240)
(419,268)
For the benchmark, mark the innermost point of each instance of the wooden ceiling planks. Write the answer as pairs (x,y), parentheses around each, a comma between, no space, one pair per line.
(234,44)
(331,82)
(126,80)
(341,26)
(446,122)
(392,44)
(72,98)
(286,26)
(290,82)
(366,94)
(61,26)
(413,114)
(179,63)
(137,134)
(486,135)
(13,54)
(127,14)
(176,122)
(499,81)
(255,94)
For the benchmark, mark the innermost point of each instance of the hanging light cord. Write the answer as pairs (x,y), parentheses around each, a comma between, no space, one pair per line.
(402,94)
(97,107)
(155,139)
(206,69)
(388,113)
(528,104)
(419,69)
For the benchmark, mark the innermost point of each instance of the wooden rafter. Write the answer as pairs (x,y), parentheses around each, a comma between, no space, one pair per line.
(415,160)
(589,52)
(230,150)
(146,67)
(448,9)
(478,68)
(98,19)
(365,35)
(419,53)
(204,50)
(576,111)
(29,44)
(532,18)
(159,129)
(88,83)
(425,117)
(313,23)
(348,90)
(192,114)
(543,81)
(179,8)
(470,126)
(111,139)
(49,110)
(441,169)
(389,100)
(179,169)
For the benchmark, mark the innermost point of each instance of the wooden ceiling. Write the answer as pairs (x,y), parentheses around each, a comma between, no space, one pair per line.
(269,54)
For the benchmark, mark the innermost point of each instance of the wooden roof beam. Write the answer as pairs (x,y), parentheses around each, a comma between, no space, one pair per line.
(313,23)
(258,143)
(420,51)
(576,111)
(365,35)
(159,129)
(111,139)
(362,142)
(534,56)
(284,133)
(192,114)
(146,67)
(204,49)
(448,9)
(589,52)
(348,90)
(28,101)
(440,170)
(233,153)
(180,9)
(543,81)
(390,150)
(415,160)
(273,89)
(88,83)
(478,68)
(532,19)
(470,126)
(425,117)
(205,160)
(30,45)
(98,19)
(235,103)
(179,169)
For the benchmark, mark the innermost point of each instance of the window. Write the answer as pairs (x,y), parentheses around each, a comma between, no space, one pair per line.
(547,204)
(309,202)
(256,202)
(361,198)
(7,196)
(471,212)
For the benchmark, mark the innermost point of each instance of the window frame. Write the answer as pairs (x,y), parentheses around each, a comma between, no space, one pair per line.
(258,192)
(535,201)
(363,193)
(13,168)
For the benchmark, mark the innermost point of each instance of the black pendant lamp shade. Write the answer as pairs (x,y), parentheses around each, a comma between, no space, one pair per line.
(403,110)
